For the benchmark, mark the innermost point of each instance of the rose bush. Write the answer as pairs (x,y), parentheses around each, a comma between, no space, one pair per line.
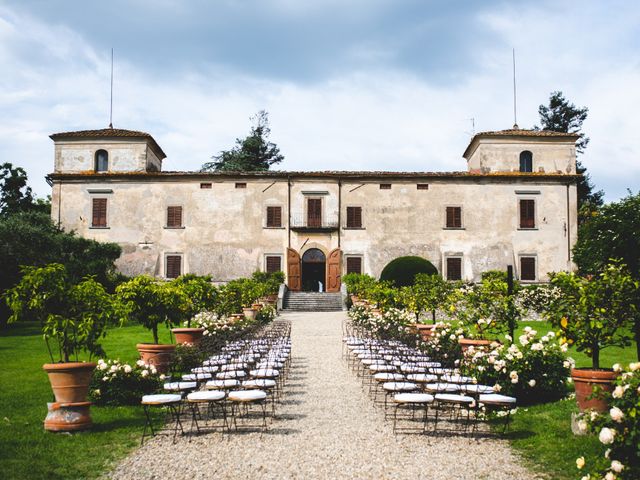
(444,346)
(116,383)
(391,324)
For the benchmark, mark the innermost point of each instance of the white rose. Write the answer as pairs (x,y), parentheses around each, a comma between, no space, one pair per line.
(564,347)
(140,363)
(153,369)
(566,364)
(523,339)
(114,368)
(537,346)
(527,329)
(618,392)
(532,383)
(582,426)
(127,369)
(634,366)
(144,373)
(580,462)
(607,435)
(617,367)
(616,466)
(616,414)
(609,476)
(497,387)
(586,477)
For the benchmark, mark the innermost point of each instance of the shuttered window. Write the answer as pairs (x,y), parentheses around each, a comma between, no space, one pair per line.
(385,186)
(527,214)
(174,217)
(454,268)
(528,268)
(454,217)
(99,212)
(173,266)
(274,217)
(354,264)
(423,186)
(206,185)
(314,212)
(241,185)
(354,217)
(273,264)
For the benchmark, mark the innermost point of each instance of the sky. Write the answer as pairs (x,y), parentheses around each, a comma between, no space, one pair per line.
(348,84)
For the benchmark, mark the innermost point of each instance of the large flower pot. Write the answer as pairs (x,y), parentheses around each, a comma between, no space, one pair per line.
(237,316)
(585,380)
(425,331)
(190,336)
(249,313)
(160,356)
(465,343)
(257,306)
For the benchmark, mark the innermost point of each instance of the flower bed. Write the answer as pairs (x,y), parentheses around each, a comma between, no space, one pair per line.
(117,383)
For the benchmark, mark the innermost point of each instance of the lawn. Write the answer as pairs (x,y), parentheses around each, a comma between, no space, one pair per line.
(26,450)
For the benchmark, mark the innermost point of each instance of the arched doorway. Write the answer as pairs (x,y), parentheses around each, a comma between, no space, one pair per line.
(313,270)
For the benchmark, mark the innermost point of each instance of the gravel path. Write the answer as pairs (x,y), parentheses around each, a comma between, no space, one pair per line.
(327,428)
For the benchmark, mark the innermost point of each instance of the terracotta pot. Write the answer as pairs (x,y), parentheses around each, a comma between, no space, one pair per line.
(188,335)
(584,380)
(257,306)
(272,298)
(465,343)
(68,417)
(425,331)
(237,316)
(159,356)
(249,313)
(70,381)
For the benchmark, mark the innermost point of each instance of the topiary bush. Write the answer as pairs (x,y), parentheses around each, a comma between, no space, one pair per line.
(402,270)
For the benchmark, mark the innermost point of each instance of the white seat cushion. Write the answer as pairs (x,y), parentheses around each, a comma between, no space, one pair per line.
(204,370)
(230,374)
(406,368)
(178,386)
(259,383)
(422,377)
(205,396)
(196,376)
(247,395)
(161,399)
(456,379)
(222,383)
(448,397)
(442,387)
(497,399)
(413,398)
(382,368)
(389,377)
(399,386)
(476,388)
(265,373)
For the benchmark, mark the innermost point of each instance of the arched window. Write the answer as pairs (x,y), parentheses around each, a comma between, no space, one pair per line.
(526,161)
(102,161)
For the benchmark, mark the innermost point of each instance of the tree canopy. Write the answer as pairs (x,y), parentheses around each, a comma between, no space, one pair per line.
(253,153)
(15,195)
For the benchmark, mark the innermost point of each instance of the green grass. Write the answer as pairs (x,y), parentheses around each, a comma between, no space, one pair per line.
(26,449)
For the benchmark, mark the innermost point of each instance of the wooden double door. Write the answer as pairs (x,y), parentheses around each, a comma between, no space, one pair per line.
(296,270)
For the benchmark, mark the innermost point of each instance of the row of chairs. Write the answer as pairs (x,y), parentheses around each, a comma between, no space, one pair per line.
(406,383)
(243,381)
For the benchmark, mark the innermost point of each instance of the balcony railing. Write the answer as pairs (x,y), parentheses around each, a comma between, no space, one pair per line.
(314,223)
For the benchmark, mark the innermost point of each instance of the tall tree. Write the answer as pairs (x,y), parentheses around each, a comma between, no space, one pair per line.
(250,154)
(562,116)
(15,195)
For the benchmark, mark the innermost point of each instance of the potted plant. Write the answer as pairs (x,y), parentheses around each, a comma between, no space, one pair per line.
(74,317)
(250,291)
(590,314)
(152,303)
(200,296)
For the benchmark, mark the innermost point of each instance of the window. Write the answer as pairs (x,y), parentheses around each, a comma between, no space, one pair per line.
(526,161)
(173,266)
(99,213)
(274,217)
(354,217)
(273,263)
(454,217)
(423,186)
(528,269)
(354,264)
(385,186)
(174,217)
(314,212)
(454,268)
(205,185)
(527,214)
(241,185)
(102,161)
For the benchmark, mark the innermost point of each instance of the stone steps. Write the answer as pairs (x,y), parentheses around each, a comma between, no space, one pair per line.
(312,302)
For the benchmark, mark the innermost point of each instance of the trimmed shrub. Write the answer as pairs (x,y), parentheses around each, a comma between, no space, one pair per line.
(402,271)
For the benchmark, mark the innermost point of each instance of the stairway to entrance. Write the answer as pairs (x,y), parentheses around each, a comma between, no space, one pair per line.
(312,302)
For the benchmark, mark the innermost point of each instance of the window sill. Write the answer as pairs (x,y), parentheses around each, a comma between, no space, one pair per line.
(453,228)
(99,228)
(274,228)
(353,228)
(174,228)
(525,229)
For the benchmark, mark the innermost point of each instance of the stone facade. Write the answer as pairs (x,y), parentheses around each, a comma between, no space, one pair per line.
(224,231)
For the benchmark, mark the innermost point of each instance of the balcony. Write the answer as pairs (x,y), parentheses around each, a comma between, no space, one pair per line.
(312,223)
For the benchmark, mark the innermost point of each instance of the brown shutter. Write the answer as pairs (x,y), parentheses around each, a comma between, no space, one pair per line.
(174,217)
(293,270)
(99,212)
(385,186)
(273,264)
(314,212)
(274,216)
(454,217)
(174,266)
(527,214)
(528,268)
(354,264)
(454,268)
(423,186)
(205,185)
(334,270)
(354,217)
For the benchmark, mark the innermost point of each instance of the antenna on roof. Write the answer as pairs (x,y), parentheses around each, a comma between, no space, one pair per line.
(111,101)
(515,110)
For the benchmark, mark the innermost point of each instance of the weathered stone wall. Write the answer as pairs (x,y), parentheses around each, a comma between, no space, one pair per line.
(124,156)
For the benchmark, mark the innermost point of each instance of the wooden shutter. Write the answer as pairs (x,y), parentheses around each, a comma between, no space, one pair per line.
(354,217)
(174,266)
(454,268)
(99,212)
(528,268)
(354,264)
(423,186)
(454,217)
(273,264)
(241,185)
(293,270)
(527,214)
(206,185)
(314,212)
(274,217)
(385,186)
(174,217)
(334,270)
